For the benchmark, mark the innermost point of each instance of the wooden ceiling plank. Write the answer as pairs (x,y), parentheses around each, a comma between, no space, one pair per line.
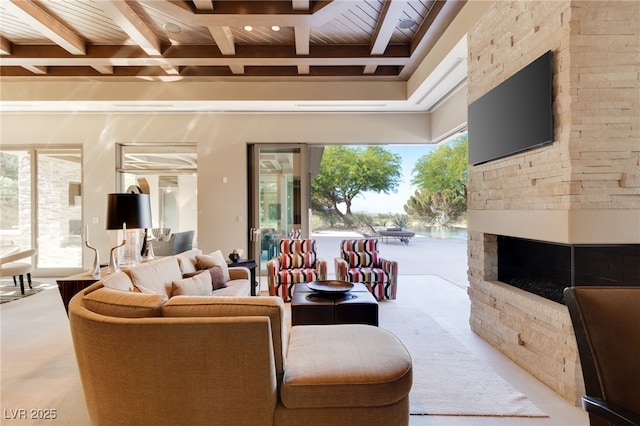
(300,4)
(170,69)
(203,4)
(103,69)
(237,69)
(179,12)
(5,46)
(370,69)
(440,16)
(331,11)
(387,21)
(40,70)
(127,19)
(224,39)
(48,26)
(302,35)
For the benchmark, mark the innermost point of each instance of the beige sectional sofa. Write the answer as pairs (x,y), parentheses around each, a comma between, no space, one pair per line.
(160,359)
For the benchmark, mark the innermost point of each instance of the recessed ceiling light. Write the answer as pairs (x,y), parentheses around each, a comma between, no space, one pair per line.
(405,24)
(275,28)
(171,27)
(248,28)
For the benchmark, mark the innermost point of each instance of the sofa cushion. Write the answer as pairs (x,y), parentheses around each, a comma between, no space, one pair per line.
(187,260)
(214,259)
(272,307)
(197,285)
(118,281)
(347,365)
(156,276)
(124,304)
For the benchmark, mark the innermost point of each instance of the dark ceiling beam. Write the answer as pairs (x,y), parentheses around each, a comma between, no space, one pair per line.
(123,55)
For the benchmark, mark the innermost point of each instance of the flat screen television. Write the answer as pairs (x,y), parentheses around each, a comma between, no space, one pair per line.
(515,116)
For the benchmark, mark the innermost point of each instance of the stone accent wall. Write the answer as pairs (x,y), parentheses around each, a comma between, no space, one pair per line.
(534,332)
(591,170)
(604,141)
(509,37)
(594,162)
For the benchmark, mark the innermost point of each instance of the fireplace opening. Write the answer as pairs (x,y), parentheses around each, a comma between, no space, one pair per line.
(546,268)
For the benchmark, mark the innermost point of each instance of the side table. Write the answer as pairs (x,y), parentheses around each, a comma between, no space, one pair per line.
(251,265)
(73,284)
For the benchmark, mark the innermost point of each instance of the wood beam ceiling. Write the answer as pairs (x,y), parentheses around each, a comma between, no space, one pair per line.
(72,55)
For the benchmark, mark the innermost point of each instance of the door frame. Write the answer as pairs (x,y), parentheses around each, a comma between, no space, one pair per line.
(253,197)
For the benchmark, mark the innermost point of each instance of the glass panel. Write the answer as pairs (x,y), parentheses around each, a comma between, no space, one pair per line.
(170,173)
(15,200)
(59,208)
(280,198)
(159,157)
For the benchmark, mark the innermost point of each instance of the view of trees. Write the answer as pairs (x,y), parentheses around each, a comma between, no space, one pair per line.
(441,177)
(346,172)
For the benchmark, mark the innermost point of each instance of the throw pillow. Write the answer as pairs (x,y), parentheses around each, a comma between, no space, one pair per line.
(214,259)
(217,277)
(198,285)
(118,281)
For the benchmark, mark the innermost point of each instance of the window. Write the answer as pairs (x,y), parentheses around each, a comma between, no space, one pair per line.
(41,202)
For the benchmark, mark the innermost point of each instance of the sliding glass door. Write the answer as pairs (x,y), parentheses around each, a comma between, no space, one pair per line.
(278,198)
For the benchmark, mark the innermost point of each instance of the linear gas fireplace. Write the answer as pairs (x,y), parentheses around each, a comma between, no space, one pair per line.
(546,268)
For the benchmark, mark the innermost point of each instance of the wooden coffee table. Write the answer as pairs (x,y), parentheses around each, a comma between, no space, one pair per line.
(357,306)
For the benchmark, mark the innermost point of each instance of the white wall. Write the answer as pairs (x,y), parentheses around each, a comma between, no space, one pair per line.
(221,140)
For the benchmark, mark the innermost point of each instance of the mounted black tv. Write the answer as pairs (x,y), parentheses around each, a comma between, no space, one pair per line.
(515,116)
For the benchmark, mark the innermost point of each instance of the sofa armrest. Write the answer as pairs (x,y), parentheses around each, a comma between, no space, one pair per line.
(239,273)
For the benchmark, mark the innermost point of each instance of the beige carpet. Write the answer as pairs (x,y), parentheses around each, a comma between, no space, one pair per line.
(448,379)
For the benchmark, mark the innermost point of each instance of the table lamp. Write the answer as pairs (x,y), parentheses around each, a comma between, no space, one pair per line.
(130,212)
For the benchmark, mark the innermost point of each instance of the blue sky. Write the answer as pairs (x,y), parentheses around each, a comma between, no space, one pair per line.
(371,202)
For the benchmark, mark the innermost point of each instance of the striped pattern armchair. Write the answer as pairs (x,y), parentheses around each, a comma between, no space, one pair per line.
(297,263)
(360,262)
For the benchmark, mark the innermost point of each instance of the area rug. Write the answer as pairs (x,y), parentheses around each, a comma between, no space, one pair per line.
(448,380)
(10,292)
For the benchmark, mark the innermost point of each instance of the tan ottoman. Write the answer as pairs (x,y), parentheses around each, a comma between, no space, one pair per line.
(348,374)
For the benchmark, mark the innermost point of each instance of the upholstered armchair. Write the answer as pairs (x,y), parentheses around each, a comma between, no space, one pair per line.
(176,244)
(296,263)
(360,262)
(10,268)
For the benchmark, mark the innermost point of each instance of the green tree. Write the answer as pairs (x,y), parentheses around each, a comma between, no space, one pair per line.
(441,177)
(346,172)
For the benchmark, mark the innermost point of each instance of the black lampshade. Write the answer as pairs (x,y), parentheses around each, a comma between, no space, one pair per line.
(134,210)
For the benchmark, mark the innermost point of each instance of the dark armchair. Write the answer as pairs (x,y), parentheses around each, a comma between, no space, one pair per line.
(177,243)
(606,321)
